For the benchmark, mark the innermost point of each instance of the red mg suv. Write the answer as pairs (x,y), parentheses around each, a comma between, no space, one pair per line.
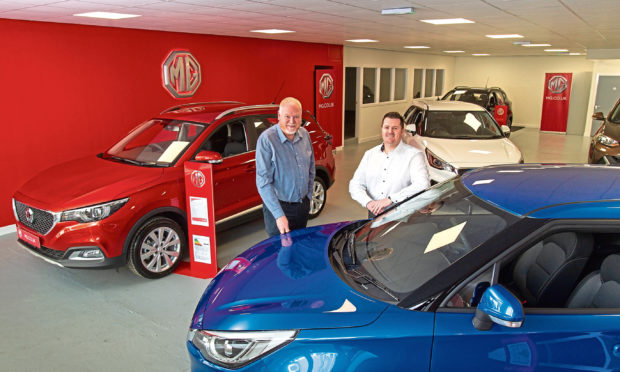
(127,204)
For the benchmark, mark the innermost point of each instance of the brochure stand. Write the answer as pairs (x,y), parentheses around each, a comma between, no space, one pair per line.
(200,222)
(500,114)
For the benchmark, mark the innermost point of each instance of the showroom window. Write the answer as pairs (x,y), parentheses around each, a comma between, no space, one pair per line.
(400,83)
(370,81)
(391,82)
(428,82)
(385,90)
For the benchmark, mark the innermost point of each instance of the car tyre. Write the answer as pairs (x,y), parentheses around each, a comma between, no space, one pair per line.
(319,197)
(157,248)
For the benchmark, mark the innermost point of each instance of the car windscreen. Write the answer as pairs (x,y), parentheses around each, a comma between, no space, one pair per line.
(402,249)
(157,142)
(614,116)
(461,125)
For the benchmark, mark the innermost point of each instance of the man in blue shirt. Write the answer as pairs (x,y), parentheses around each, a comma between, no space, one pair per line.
(285,170)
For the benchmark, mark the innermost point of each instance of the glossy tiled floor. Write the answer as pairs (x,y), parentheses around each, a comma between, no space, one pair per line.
(55,319)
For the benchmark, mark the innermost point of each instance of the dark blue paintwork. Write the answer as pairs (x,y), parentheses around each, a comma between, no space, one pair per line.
(523,189)
(276,285)
(291,287)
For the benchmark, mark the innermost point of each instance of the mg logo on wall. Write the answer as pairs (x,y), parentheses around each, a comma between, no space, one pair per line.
(326,86)
(181,73)
(557,84)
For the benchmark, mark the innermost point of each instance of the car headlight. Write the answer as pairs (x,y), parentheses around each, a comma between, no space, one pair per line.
(436,162)
(94,212)
(607,141)
(234,349)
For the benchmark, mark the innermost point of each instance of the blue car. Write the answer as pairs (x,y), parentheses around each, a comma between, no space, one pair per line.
(513,268)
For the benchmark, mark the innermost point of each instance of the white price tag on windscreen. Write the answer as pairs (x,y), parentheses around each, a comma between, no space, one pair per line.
(173,151)
(444,238)
(202,248)
(199,214)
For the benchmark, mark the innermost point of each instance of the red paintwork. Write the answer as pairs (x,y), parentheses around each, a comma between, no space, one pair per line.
(92,180)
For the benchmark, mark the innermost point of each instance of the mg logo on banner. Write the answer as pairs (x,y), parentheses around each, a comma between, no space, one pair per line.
(557,84)
(326,86)
(181,74)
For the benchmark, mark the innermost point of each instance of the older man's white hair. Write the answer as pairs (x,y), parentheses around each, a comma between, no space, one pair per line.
(289,101)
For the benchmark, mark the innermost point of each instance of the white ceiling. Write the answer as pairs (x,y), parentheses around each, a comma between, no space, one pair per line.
(576,25)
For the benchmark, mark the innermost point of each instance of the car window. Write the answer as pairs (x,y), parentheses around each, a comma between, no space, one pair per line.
(228,139)
(156,142)
(461,125)
(568,269)
(412,243)
(614,116)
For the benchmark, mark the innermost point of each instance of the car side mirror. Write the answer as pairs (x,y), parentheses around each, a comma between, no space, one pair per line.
(410,128)
(505,130)
(598,116)
(498,305)
(209,157)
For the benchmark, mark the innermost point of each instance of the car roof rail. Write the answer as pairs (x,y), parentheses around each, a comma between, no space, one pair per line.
(174,108)
(232,110)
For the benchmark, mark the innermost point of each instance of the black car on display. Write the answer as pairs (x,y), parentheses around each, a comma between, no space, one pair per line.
(485,97)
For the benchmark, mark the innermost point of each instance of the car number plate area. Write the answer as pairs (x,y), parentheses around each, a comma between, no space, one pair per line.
(28,237)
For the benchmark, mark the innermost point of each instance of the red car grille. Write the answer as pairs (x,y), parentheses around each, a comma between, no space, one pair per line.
(42,221)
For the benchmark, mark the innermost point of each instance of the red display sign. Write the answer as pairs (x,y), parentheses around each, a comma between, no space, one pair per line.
(28,237)
(500,114)
(556,100)
(327,109)
(200,222)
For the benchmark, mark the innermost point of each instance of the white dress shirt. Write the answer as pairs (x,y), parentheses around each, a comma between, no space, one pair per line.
(396,175)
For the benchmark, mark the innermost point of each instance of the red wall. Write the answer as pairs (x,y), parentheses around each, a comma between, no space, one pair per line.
(70,90)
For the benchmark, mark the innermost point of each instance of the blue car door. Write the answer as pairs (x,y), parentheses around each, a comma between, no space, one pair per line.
(548,340)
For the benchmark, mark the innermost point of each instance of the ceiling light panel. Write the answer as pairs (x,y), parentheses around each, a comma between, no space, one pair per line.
(107,15)
(505,36)
(447,21)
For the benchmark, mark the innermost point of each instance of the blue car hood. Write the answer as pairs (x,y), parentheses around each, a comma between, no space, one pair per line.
(284,284)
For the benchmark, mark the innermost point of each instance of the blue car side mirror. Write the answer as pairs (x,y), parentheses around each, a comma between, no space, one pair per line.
(498,305)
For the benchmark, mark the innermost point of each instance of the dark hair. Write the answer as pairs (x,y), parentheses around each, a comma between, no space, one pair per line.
(394,115)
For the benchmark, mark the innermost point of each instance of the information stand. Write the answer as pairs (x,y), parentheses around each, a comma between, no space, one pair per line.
(200,222)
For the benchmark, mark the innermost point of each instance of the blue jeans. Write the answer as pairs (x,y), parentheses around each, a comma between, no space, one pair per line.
(296,213)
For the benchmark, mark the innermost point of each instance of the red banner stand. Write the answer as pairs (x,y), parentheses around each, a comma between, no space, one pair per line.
(501,114)
(200,222)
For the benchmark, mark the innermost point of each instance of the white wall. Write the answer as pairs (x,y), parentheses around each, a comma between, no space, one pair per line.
(523,80)
(369,115)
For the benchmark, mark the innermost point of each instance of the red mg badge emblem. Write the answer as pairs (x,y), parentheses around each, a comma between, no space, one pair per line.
(198,179)
(29,215)
(557,84)
(181,74)
(326,86)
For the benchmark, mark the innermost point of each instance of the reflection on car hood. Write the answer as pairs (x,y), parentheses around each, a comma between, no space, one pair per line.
(469,153)
(84,181)
(271,286)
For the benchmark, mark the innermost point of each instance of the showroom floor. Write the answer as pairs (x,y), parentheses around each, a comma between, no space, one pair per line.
(57,319)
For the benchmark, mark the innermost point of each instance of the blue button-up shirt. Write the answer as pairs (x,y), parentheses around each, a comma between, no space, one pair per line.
(284,168)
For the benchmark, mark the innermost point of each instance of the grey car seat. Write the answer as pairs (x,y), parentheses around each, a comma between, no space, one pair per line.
(236,143)
(600,289)
(546,273)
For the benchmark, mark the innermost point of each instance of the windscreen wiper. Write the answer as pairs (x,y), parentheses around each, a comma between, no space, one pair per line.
(372,281)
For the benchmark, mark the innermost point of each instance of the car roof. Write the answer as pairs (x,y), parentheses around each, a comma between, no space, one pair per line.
(477,89)
(435,105)
(206,112)
(549,190)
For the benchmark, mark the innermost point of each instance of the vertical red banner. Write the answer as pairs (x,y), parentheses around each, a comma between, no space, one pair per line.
(200,221)
(556,100)
(328,93)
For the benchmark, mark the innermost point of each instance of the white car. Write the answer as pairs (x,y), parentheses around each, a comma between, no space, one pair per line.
(456,137)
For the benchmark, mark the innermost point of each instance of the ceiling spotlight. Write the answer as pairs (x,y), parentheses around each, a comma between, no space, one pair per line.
(272,31)
(107,15)
(506,36)
(407,10)
(448,21)
(416,47)
(363,41)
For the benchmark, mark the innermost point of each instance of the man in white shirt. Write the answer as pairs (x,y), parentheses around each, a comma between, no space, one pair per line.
(389,172)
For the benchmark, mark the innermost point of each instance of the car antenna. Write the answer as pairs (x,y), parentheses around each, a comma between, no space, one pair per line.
(487,83)
(277,94)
